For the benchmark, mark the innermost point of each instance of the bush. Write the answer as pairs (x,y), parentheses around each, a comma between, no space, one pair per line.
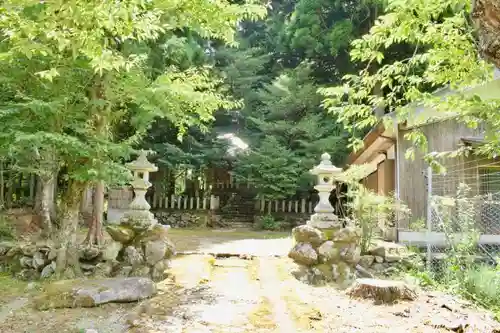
(6,229)
(269,223)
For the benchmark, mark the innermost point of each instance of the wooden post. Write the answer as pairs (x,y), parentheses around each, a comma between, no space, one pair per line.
(303,205)
(269,207)
(179,202)
(165,203)
(262,205)
(289,206)
(185,206)
(276,206)
(172,201)
(283,206)
(296,204)
(198,203)
(154,200)
(191,203)
(204,203)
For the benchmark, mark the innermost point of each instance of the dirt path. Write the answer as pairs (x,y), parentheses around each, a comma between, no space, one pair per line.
(259,295)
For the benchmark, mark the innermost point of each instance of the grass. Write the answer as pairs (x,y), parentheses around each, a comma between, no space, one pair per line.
(10,287)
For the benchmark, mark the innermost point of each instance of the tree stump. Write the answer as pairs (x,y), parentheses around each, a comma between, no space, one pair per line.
(382,291)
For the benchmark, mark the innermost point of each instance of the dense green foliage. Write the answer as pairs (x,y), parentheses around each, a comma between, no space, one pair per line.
(277,70)
(444,56)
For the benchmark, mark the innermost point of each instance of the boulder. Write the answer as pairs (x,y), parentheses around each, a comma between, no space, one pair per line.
(120,233)
(28,249)
(26,262)
(133,257)
(48,270)
(366,260)
(158,271)
(383,249)
(382,291)
(89,252)
(111,251)
(5,247)
(142,271)
(39,260)
(307,234)
(379,259)
(154,251)
(328,252)
(303,254)
(347,235)
(124,271)
(90,293)
(350,254)
(103,269)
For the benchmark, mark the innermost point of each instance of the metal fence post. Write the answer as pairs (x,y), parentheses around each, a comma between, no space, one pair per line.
(429,217)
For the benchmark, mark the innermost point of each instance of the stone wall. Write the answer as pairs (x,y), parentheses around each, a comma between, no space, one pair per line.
(131,253)
(287,220)
(184,219)
(325,256)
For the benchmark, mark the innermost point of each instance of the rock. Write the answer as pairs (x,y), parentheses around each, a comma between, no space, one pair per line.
(28,249)
(111,251)
(307,234)
(90,293)
(52,255)
(103,269)
(301,273)
(379,259)
(158,271)
(13,252)
(143,271)
(392,258)
(27,274)
(39,260)
(366,261)
(378,268)
(343,274)
(382,291)
(347,235)
(5,247)
(328,252)
(26,262)
(89,253)
(156,250)
(303,254)
(124,271)
(133,257)
(382,249)
(48,270)
(351,254)
(86,267)
(120,233)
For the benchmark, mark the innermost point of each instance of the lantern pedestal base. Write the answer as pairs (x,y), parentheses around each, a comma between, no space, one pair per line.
(139,220)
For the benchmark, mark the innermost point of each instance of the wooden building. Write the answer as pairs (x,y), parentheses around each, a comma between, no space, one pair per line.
(392,173)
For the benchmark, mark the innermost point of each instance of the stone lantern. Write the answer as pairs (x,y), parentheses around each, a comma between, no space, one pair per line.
(138,214)
(327,173)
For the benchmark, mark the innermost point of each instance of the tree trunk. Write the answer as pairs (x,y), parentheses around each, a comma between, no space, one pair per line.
(486,18)
(46,200)
(67,265)
(95,235)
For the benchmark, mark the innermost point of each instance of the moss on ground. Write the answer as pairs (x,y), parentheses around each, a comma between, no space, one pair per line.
(262,316)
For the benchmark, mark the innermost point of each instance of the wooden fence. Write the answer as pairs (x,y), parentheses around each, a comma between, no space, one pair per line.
(287,206)
(184,202)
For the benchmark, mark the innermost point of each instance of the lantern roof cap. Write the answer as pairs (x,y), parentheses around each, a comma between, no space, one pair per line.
(325,166)
(142,163)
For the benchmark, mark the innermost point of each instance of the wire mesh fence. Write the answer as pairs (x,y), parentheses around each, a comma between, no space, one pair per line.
(463,217)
